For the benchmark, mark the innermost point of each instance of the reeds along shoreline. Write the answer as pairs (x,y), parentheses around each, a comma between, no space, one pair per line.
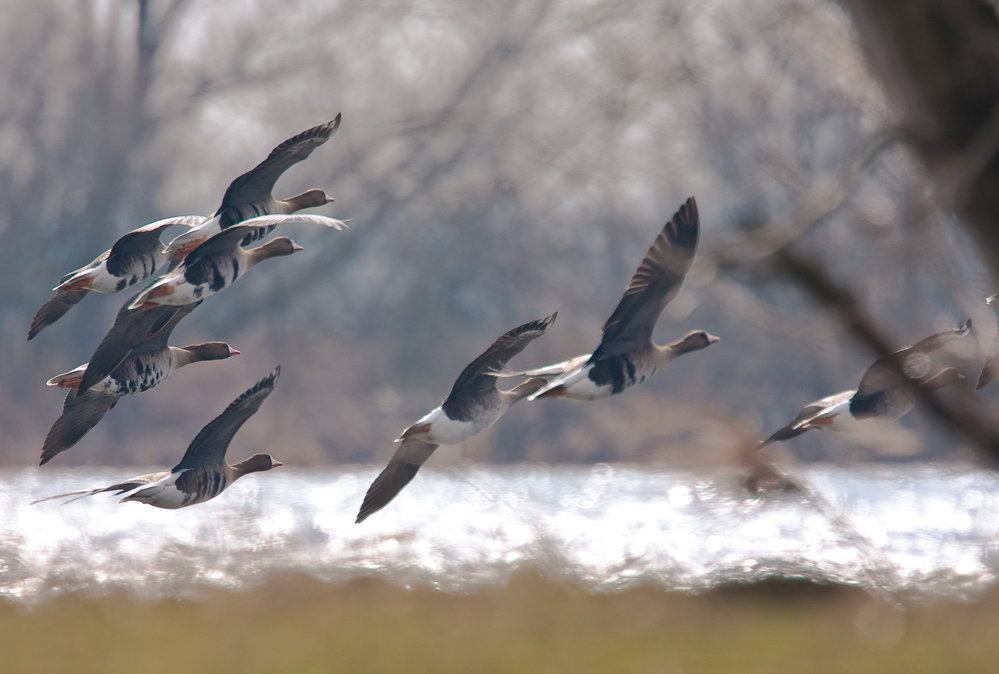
(294,623)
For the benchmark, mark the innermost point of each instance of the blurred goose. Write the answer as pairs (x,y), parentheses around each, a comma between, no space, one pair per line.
(218,262)
(626,355)
(133,258)
(203,473)
(473,405)
(249,195)
(145,367)
(883,393)
(991,368)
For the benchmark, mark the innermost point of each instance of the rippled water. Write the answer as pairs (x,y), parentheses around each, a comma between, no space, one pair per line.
(916,530)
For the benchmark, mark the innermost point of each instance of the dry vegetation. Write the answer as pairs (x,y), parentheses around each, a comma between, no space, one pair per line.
(296,624)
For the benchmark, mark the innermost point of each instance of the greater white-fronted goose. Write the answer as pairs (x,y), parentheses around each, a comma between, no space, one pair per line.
(249,195)
(146,366)
(218,262)
(203,473)
(991,367)
(883,392)
(133,258)
(626,355)
(473,405)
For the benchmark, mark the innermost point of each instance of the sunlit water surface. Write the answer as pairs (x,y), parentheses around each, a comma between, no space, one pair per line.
(920,531)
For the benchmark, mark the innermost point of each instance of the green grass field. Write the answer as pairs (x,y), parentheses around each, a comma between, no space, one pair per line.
(300,625)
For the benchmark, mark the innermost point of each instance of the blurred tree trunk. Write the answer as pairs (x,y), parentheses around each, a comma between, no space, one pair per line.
(939,61)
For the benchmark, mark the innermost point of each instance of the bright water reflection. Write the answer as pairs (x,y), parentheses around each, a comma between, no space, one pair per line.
(920,530)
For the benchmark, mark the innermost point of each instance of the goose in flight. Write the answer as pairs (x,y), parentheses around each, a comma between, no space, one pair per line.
(473,405)
(219,261)
(133,258)
(145,367)
(626,355)
(249,195)
(203,473)
(883,392)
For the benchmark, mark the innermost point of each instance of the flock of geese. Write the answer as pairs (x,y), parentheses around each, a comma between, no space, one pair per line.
(212,253)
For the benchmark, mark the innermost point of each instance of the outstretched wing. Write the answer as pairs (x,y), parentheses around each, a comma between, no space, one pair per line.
(656,282)
(54,309)
(80,413)
(883,390)
(158,340)
(144,242)
(401,469)
(209,447)
(478,377)
(131,328)
(257,184)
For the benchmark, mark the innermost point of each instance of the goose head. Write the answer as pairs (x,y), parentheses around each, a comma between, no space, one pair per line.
(255,464)
(308,199)
(695,341)
(210,351)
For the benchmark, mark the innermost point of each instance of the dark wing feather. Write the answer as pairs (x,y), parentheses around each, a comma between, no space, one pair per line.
(656,282)
(80,413)
(476,379)
(883,392)
(209,447)
(401,469)
(257,184)
(158,340)
(131,328)
(54,309)
(143,242)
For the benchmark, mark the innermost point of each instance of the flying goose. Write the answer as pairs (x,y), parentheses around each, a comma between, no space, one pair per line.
(249,195)
(203,473)
(133,258)
(145,367)
(626,355)
(882,393)
(473,405)
(218,262)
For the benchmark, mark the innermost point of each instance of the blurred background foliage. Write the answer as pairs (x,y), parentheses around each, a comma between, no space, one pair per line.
(499,161)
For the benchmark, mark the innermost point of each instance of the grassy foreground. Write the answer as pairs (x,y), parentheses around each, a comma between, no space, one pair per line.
(300,625)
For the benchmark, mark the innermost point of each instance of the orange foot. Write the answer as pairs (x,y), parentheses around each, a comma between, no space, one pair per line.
(556,392)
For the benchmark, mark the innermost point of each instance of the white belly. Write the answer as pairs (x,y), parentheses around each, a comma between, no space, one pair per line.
(445,431)
(162,494)
(181,293)
(836,418)
(581,387)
